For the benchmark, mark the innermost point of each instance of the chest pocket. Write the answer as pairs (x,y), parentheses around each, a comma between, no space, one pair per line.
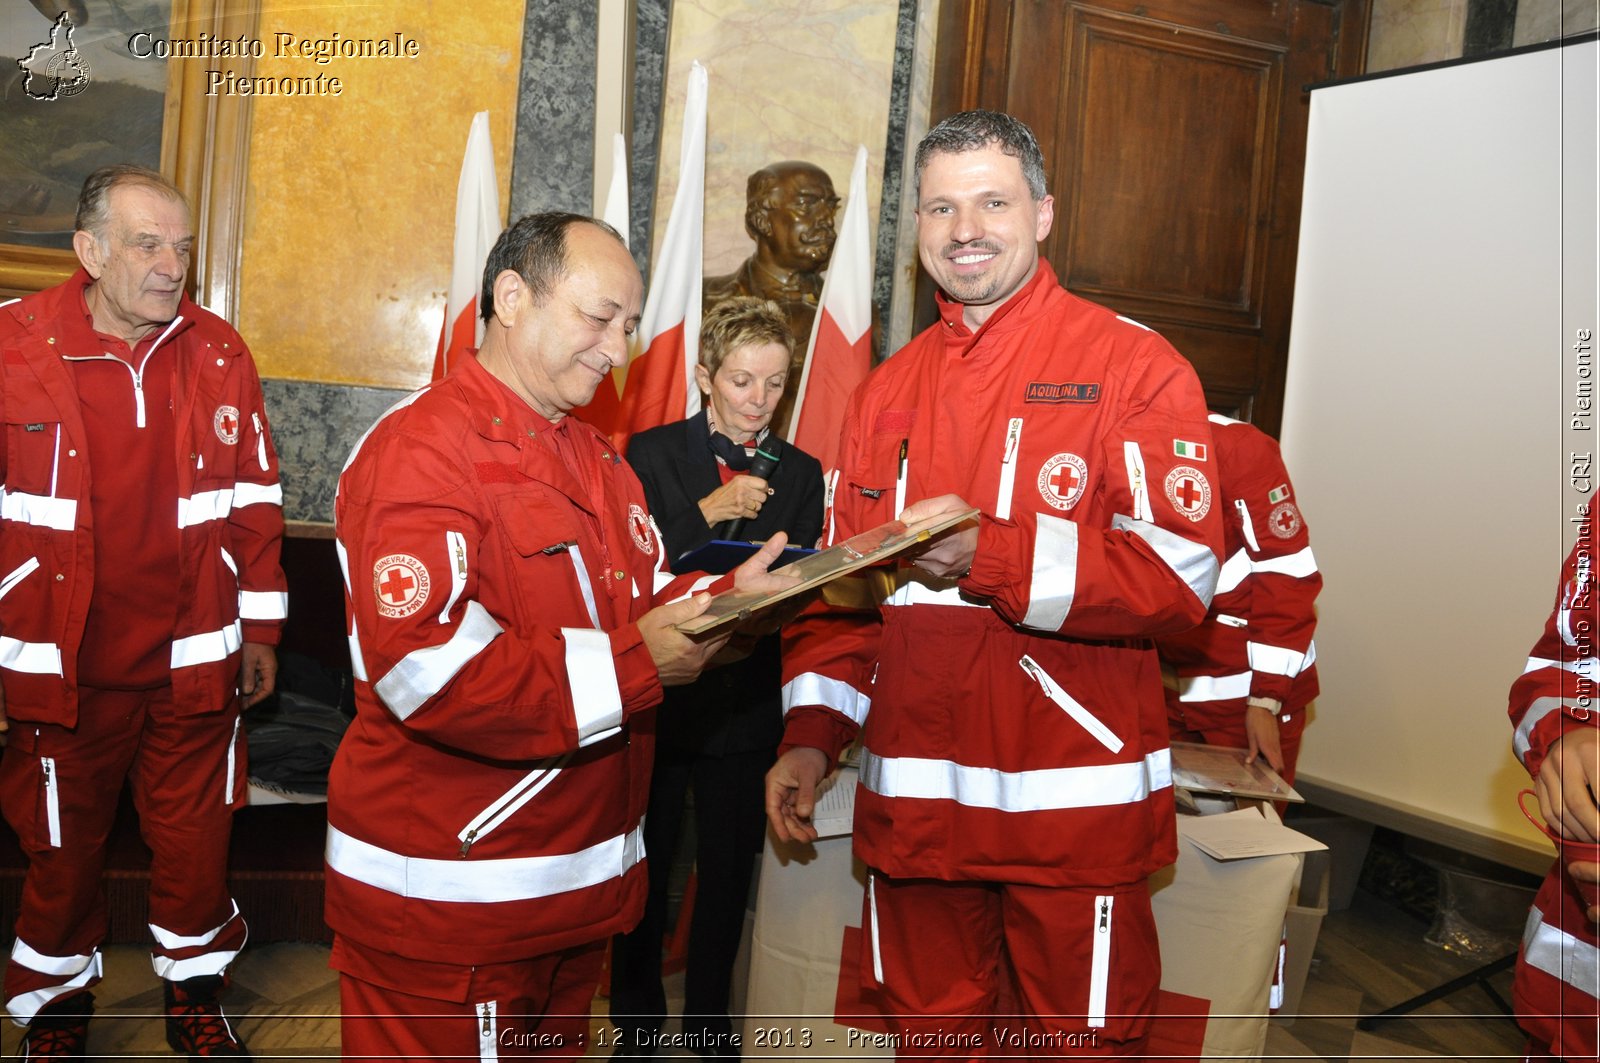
(877,482)
(546,554)
(36,443)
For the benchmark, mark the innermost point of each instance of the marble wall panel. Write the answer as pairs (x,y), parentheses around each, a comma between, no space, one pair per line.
(554,168)
(314,427)
(1548,20)
(350,210)
(1410,32)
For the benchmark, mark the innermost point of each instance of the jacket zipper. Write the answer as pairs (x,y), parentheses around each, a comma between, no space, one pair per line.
(261,440)
(1137,486)
(872,909)
(1008,469)
(508,803)
(1068,704)
(233,746)
(1099,963)
(487,1050)
(138,374)
(1248,528)
(455,545)
(52,800)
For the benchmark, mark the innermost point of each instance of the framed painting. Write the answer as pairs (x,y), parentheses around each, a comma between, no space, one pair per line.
(83,83)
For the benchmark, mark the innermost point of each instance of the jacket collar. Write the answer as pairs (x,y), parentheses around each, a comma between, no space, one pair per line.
(1024,304)
(67,308)
(501,415)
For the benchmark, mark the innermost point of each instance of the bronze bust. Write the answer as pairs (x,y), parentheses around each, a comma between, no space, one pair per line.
(789,213)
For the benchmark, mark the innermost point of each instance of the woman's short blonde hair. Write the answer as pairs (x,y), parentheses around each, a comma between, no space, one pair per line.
(743,321)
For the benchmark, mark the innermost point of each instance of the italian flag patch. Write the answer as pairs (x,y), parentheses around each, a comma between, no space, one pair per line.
(1278,494)
(1193,451)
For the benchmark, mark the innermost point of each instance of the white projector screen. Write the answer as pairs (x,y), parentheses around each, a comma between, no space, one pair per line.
(1444,317)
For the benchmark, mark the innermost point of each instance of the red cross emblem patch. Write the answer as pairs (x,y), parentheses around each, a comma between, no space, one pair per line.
(226,422)
(401,584)
(1062,480)
(1189,492)
(639,528)
(1284,520)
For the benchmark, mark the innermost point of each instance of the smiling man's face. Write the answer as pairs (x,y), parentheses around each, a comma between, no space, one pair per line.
(978,227)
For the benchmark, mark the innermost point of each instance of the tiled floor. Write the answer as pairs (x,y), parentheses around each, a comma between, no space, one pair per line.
(1368,957)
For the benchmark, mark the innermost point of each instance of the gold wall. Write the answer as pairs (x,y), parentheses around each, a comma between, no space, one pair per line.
(350,203)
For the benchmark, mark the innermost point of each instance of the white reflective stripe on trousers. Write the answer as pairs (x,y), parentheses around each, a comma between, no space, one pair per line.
(75,973)
(1561,955)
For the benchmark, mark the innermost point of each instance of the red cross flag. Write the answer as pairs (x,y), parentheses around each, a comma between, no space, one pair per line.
(659,387)
(603,409)
(478,224)
(840,353)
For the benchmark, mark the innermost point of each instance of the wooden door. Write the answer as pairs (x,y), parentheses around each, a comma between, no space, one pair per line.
(1174,139)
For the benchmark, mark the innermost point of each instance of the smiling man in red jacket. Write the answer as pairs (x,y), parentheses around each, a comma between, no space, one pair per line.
(512,628)
(1016,782)
(140,604)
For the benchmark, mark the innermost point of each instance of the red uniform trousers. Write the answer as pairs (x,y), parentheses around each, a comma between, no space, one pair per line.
(1086,965)
(1558,974)
(59,790)
(534,1007)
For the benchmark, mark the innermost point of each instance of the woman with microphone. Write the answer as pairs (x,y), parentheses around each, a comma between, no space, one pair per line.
(721,474)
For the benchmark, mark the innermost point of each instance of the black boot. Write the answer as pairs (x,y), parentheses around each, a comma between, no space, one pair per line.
(196,1026)
(60,1030)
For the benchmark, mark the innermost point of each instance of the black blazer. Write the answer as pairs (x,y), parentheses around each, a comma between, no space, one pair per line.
(736,708)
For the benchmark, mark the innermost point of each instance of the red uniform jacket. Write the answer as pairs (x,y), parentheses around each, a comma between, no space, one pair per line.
(1557,987)
(229,508)
(1014,726)
(1256,641)
(486,805)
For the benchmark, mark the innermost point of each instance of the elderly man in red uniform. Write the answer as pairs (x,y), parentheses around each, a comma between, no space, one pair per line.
(512,628)
(1557,986)
(141,600)
(1015,789)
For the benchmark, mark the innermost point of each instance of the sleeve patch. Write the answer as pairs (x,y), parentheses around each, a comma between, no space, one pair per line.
(1284,520)
(401,585)
(1189,492)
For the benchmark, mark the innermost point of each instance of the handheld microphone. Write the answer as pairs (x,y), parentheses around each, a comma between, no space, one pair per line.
(762,466)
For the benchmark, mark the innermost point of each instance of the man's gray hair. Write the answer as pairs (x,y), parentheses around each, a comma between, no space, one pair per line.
(975,130)
(93,208)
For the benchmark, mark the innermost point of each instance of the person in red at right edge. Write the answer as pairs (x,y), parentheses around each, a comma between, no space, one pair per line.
(1244,677)
(1553,710)
(1015,788)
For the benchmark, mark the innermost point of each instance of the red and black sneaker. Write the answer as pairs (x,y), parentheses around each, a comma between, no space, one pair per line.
(60,1030)
(196,1026)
